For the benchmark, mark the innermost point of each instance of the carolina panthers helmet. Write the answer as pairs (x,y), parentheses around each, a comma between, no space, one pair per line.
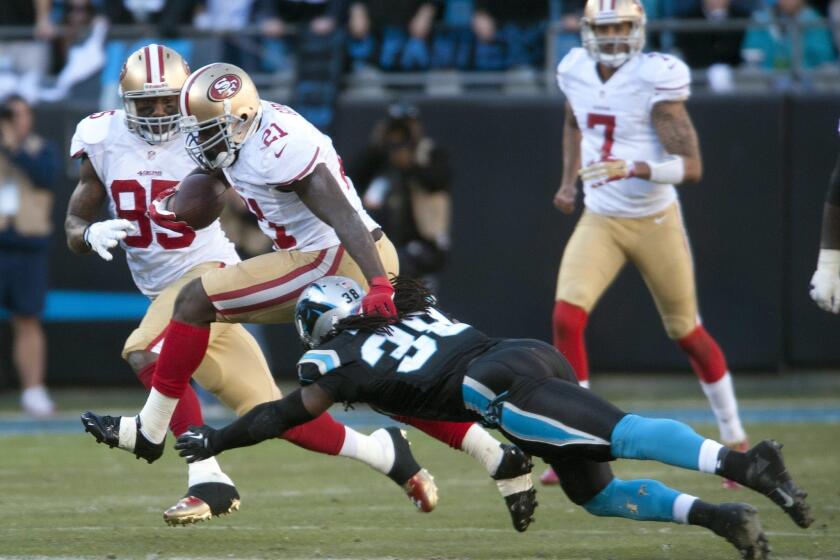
(611,12)
(323,304)
(152,71)
(220,109)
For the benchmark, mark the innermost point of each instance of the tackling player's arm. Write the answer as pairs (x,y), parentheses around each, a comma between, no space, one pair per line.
(825,283)
(564,199)
(322,195)
(84,234)
(265,421)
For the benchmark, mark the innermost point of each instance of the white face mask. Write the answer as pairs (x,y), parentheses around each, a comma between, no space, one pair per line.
(624,47)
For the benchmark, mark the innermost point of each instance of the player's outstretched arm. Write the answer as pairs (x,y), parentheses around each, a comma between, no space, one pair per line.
(676,133)
(825,283)
(565,197)
(265,421)
(322,195)
(83,233)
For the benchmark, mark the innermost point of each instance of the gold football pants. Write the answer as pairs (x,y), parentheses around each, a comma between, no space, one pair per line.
(657,245)
(234,368)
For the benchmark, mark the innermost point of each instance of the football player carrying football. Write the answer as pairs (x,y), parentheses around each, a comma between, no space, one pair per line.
(627,123)
(127,158)
(430,366)
(825,283)
(290,177)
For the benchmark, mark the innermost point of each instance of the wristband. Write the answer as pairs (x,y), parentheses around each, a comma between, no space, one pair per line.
(85,236)
(829,261)
(670,171)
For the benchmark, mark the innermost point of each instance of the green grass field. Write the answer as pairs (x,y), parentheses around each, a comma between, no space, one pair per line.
(65,496)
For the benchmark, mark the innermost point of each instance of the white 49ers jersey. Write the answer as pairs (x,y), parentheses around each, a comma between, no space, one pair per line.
(614,120)
(134,172)
(284,149)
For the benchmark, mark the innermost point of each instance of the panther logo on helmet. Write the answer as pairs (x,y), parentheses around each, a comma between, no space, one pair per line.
(224,87)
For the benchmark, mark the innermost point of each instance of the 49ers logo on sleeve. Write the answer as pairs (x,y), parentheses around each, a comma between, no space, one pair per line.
(224,87)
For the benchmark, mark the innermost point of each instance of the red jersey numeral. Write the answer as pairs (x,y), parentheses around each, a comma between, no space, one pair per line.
(608,122)
(272,133)
(101,114)
(281,239)
(138,213)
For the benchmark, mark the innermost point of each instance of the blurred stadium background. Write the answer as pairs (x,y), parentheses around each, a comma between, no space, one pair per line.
(765,85)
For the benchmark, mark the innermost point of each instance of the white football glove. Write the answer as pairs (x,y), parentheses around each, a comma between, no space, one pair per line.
(825,284)
(102,236)
(606,171)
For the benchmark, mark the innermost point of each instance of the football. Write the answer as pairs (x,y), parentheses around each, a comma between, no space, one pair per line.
(199,200)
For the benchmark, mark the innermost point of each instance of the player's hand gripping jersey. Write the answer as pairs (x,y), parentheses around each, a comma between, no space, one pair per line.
(134,172)
(286,148)
(414,369)
(615,123)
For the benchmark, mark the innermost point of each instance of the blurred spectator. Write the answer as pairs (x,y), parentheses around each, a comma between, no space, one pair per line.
(405,179)
(28,167)
(76,16)
(166,15)
(24,61)
(834,19)
(513,33)
(701,50)
(320,17)
(393,34)
(771,43)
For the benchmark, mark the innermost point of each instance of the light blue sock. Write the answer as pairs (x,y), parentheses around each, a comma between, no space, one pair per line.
(666,441)
(642,500)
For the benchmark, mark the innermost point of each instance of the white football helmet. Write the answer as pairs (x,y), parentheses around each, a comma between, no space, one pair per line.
(221,110)
(613,50)
(323,304)
(152,71)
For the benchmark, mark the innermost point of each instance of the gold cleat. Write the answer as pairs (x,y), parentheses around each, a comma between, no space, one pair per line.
(203,502)
(422,490)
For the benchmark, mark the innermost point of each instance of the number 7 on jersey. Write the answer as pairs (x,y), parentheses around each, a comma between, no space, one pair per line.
(608,122)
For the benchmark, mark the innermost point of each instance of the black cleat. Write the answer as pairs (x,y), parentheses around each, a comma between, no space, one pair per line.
(415,481)
(106,429)
(202,502)
(521,506)
(739,524)
(514,475)
(515,462)
(768,475)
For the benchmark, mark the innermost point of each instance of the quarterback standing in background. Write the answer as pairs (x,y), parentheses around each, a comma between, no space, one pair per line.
(127,158)
(292,180)
(628,136)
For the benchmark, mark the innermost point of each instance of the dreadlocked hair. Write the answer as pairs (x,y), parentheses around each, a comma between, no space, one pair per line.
(410,296)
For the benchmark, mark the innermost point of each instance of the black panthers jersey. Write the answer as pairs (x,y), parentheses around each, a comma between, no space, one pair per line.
(415,369)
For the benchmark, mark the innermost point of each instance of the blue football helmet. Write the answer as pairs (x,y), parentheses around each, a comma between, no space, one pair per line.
(323,304)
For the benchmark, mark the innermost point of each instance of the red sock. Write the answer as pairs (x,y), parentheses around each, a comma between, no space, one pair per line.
(569,322)
(450,433)
(322,435)
(182,352)
(187,412)
(705,355)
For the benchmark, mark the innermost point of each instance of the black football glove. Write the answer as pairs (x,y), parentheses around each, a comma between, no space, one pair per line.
(196,444)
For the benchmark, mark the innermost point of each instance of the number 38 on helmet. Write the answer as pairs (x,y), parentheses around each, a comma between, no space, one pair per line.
(323,304)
